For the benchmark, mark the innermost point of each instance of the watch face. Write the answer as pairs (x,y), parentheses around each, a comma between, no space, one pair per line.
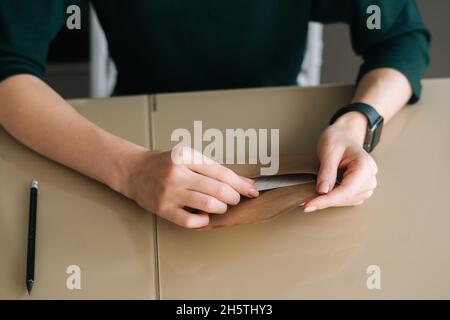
(376,132)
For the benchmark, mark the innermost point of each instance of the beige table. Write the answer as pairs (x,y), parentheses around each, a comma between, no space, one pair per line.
(403,229)
(80,222)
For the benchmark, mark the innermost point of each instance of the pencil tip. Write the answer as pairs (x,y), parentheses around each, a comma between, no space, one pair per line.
(29,286)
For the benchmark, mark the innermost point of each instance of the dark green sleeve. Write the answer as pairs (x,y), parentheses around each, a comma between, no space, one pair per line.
(26,31)
(402,43)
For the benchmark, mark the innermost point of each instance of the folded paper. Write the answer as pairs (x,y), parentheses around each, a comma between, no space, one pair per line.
(290,188)
(281,181)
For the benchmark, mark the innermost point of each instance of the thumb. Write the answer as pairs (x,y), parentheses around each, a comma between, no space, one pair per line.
(326,178)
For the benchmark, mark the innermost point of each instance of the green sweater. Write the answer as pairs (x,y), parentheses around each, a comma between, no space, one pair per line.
(182,45)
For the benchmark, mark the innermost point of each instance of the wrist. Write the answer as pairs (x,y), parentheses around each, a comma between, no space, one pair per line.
(126,166)
(355,124)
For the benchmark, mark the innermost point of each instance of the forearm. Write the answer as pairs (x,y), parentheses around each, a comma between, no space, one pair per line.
(38,117)
(386,90)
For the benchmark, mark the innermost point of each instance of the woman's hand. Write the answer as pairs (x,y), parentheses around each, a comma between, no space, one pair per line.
(340,147)
(167,183)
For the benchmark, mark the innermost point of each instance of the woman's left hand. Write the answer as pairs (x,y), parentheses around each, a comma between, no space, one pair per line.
(340,147)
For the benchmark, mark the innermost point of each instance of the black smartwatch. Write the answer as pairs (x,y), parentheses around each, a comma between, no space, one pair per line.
(374,119)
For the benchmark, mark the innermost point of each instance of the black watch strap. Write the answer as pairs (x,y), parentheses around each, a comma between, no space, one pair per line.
(374,119)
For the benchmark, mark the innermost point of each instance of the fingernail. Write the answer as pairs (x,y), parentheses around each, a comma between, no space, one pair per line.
(310,209)
(253,193)
(324,187)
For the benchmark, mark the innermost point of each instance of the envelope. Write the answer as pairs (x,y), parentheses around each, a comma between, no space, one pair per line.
(274,201)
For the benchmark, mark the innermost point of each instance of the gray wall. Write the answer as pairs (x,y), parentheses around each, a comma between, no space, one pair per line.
(340,64)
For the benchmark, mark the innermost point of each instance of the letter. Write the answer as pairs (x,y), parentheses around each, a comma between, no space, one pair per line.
(74,20)
(206,311)
(214,150)
(179,310)
(241,136)
(274,158)
(374,280)
(198,141)
(185,136)
(187,310)
(374,21)
(74,280)
(197,310)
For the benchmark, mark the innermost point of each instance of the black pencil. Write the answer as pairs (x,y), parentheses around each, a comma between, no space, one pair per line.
(31,236)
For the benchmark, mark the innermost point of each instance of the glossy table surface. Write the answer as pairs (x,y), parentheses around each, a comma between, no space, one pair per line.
(79,221)
(403,230)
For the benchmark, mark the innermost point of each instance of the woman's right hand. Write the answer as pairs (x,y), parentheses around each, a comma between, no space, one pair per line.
(167,183)
(38,117)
